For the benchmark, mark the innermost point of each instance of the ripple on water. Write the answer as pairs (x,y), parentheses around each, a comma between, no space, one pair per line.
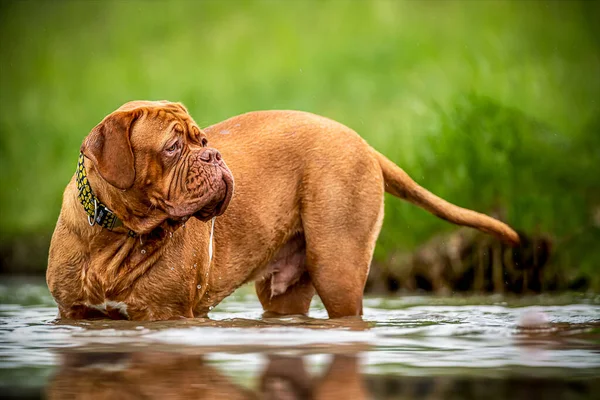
(405,335)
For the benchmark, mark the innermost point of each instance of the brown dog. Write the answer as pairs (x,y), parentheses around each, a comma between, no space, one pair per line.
(307,211)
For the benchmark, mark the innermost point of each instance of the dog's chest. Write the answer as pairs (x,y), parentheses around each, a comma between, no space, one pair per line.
(164,291)
(146,302)
(113,309)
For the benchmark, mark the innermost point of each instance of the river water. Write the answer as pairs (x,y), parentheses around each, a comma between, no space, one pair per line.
(406,347)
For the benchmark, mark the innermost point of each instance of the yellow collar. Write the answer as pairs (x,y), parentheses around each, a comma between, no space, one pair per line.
(97,212)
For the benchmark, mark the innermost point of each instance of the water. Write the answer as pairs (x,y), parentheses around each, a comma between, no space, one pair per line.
(406,347)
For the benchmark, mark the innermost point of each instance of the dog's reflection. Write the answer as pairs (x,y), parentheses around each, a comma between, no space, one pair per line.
(157,375)
(287,378)
(140,375)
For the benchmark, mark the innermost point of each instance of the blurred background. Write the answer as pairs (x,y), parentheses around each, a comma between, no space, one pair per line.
(493,105)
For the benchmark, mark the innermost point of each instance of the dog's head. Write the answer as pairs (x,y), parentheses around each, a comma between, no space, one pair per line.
(158,164)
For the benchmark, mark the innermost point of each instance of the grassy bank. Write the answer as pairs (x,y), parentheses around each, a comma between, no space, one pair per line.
(494,105)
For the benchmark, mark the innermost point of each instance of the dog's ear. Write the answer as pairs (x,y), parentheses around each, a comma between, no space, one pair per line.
(109,147)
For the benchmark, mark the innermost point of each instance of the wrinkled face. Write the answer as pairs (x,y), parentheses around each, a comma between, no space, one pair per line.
(180,172)
(160,159)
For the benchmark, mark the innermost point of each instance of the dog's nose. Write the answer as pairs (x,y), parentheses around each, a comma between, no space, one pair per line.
(210,156)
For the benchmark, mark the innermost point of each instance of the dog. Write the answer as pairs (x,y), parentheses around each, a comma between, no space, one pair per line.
(163,220)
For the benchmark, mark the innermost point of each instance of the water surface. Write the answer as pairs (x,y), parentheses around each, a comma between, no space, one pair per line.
(405,347)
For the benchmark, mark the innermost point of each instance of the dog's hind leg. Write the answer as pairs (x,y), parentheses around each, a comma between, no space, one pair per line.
(340,240)
(339,274)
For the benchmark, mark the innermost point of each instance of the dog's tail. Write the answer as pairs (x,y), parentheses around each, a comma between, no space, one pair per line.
(398,183)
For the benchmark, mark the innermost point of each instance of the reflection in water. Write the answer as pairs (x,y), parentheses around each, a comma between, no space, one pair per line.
(287,378)
(157,375)
(140,375)
(165,375)
(405,348)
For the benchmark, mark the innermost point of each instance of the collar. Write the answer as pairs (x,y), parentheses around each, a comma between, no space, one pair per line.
(97,212)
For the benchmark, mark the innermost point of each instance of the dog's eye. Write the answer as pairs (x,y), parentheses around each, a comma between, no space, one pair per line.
(173,148)
(204,142)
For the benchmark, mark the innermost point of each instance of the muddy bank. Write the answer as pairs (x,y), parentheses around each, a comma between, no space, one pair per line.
(466,260)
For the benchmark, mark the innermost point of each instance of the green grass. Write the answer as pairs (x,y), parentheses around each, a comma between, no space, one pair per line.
(494,105)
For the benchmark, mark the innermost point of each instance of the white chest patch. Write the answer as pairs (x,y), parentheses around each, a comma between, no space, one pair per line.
(116,305)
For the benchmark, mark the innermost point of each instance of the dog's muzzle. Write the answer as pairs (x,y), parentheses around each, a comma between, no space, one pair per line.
(210,181)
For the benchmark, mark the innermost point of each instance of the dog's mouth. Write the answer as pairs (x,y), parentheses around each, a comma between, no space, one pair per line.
(218,206)
(211,204)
